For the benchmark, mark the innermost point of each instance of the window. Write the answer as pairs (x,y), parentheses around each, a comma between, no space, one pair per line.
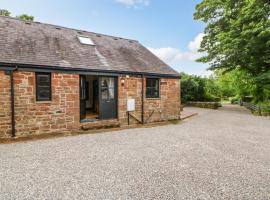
(152,88)
(107,88)
(43,87)
(86,40)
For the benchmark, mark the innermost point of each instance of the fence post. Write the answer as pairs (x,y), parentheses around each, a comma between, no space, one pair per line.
(260,113)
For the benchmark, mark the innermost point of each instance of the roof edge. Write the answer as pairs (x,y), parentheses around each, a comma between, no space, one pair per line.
(10,66)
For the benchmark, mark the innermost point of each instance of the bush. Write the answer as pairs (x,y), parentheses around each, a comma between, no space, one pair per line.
(195,88)
(265,108)
(235,100)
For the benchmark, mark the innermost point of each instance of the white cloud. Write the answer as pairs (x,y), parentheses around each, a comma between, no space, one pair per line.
(183,60)
(169,54)
(195,44)
(134,3)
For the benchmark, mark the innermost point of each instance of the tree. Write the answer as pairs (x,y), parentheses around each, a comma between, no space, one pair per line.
(25,17)
(196,88)
(226,84)
(4,12)
(236,83)
(237,37)
(212,87)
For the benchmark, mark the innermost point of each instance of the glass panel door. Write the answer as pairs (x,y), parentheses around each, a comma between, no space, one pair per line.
(108,100)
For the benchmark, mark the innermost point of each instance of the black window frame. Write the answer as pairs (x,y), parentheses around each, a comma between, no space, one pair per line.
(38,87)
(152,88)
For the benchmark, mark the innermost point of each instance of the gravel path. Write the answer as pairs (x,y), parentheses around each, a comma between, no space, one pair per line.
(219,154)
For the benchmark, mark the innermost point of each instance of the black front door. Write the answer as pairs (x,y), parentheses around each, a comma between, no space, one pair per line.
(108,97)
(83,93)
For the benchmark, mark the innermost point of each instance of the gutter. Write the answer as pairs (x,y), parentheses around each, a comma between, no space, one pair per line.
(44,68)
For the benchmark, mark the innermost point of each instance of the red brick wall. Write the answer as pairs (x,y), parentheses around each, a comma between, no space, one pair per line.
(63,112)
(130,89)
(167,107)
(5,120)
(32,117)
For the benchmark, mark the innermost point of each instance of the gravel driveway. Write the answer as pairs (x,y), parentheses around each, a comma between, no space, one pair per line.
(219,154)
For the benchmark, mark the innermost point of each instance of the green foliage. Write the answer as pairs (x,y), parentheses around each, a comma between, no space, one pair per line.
(235,100)
(212,88)
(196,88)
(234,85)
(25,17)
(4,12)
(237,37)
(265,107)
(235,82)
(226,85)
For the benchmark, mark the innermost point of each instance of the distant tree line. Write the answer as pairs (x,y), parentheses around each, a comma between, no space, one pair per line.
(233,86)
(25,17)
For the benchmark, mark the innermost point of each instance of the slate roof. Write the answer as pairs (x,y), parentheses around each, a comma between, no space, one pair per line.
(38,44)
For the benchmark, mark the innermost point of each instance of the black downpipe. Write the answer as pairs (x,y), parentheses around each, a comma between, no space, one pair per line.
(142,99)
(128,114)
(12,104)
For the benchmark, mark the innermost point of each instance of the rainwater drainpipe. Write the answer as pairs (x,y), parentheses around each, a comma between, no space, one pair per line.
(142,99)
(12,103)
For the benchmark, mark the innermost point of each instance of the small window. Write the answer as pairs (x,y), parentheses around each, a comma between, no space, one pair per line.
(152,88)
(43,87)
(86,40)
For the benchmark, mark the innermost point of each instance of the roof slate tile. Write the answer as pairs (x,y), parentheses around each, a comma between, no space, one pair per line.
(49,45)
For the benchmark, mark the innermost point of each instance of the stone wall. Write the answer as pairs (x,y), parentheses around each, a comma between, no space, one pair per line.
(32,117)
(63,112)
(5,114)
(167,107)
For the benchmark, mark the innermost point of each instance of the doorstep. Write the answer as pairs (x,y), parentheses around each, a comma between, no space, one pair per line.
(100,124)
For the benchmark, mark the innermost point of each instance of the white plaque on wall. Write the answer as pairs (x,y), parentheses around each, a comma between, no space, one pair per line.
(131,105)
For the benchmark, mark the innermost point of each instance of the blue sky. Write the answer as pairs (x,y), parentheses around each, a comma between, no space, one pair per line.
(166,27)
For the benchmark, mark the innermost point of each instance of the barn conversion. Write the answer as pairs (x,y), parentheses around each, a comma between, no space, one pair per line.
(55,79)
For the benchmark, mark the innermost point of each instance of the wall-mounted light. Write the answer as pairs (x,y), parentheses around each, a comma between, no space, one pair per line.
(122,82)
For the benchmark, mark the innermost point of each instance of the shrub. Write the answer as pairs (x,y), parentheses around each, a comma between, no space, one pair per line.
(235,100)
(195,88)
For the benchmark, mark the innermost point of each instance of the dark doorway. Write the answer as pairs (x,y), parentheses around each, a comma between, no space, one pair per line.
(98,97)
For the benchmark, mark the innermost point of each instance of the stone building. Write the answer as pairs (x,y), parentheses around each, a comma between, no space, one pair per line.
(55,79)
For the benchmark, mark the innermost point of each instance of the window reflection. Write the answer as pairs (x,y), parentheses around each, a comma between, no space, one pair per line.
(107,88)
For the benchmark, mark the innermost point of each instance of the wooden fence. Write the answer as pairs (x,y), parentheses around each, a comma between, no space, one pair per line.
(257,109)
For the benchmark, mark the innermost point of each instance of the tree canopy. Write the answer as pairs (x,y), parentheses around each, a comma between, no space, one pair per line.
(4,12)
(196,88)
(25,17)
(237,37)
